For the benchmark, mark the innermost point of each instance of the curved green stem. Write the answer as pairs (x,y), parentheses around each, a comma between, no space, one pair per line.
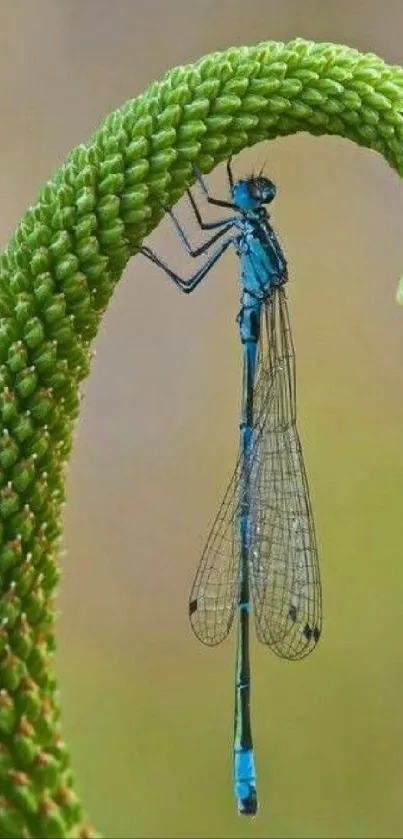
(56,278)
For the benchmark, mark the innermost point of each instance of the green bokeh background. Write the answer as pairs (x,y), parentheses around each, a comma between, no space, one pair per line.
(147,710)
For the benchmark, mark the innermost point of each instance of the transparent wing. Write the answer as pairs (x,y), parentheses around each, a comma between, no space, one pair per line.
(283,558)
(215,590)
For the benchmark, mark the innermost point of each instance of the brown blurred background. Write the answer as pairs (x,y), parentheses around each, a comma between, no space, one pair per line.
(148,710)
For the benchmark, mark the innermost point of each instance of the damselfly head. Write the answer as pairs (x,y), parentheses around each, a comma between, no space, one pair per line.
(253,192)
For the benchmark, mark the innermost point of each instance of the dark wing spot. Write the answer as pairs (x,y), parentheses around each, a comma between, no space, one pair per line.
(316,634)
(192,607)
(311,632)
(293,613)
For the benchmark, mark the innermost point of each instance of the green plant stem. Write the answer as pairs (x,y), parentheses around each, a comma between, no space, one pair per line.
(56,278)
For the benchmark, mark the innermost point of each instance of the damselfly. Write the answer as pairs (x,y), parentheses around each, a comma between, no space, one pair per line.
(261,550)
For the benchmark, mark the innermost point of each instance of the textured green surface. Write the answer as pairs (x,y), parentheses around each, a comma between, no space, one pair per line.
(56,278)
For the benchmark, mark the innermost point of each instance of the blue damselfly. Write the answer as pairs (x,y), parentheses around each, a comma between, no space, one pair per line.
(261,551)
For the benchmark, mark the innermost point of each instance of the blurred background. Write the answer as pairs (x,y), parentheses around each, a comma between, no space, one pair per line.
(147,709)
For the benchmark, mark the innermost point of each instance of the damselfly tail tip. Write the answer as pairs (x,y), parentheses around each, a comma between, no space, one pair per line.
(245,781)
(248,806)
